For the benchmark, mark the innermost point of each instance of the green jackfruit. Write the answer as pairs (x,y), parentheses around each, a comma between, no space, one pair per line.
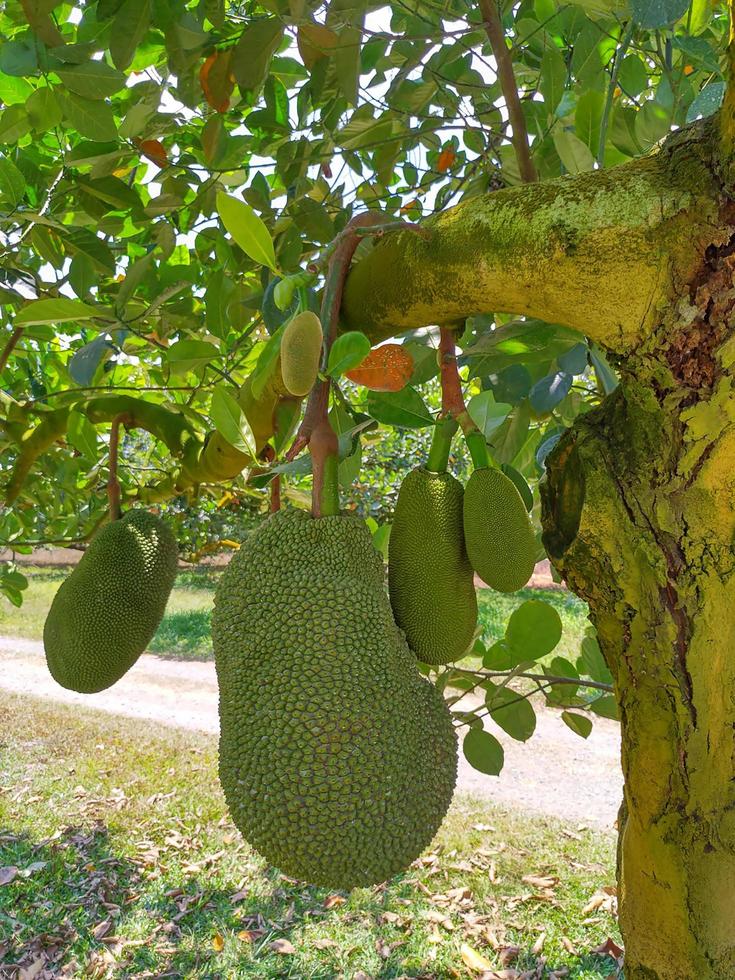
(498,534)
(301,351)
(337,759)
(105,613)
(430,578)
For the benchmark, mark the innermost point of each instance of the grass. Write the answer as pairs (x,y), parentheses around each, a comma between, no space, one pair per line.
(127,865)
(184,631)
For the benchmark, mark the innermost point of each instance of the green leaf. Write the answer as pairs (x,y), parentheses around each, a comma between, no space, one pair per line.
(82,435)
(707,102)
(128,30)
(14,124)
(553,78)
(483,751)
(85,362)
(487,414)
(404,409)
(497,657)
(658,13)
(247,229)
(550,390)
(189,355)
(85,242)
(587,118)
(61,310)
(92,79)
(534,629)
(512,711)
(579,724)
(253,52)
(605,707)
(591,662)
(573,153)
(12,182)
(348,350)
(347,61)
(44,110)
(231,423)
(95,120)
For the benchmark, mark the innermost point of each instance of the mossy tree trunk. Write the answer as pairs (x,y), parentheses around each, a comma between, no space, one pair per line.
(639,500)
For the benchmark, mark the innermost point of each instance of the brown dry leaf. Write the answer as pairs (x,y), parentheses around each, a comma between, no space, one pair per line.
(594,903)
(155,151)
(218,943)
(247,935)
(474,960)
(386,368)
(458,894)
(508,955)
(332,901)
(569,946)
(282,946)
(539,944)
(324,943)
(102,929)
(7,874)
(537,881)
(446,159)
(29,972)
(239,896)
(609,948)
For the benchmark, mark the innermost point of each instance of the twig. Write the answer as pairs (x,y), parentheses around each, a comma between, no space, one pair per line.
(494,29)
(8,349)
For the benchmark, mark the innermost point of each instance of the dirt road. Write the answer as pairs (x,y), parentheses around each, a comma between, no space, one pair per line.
(555,772)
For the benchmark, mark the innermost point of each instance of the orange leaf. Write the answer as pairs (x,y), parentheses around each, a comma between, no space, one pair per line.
(155,151)
(446,159)
(688,69)
(315,41)
(386,368)
(216,80)
(218,943)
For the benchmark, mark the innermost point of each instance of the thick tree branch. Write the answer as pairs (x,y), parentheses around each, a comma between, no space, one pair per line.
(10,346)
(598,252)
(519,139)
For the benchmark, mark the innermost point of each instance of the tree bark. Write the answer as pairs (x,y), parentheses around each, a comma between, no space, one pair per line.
(639,517)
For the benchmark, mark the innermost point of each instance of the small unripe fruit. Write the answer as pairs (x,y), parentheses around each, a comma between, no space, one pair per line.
(301,350)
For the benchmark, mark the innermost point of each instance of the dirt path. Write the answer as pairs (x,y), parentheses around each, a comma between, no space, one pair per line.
(555,773)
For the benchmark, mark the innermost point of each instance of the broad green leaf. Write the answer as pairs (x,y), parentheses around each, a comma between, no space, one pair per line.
(579,724)
(61,310)
(190,355)
(95,120)
(606,707)
(84,241)
(652,123)
(487,414)
(348,350)
(574,361)
(553,78)
(573,153)
(253,52)
(404,409)
(534,629)
(44,110)
(707,102)
(85,362)
(14,124)
(247,229)
(92,79)
(82,435)
(658,13)
(550,390)
(591,662)
(128,30)
(587,118)
(497,657)
(512,711)
(231,423)
(12,182)
(483,751)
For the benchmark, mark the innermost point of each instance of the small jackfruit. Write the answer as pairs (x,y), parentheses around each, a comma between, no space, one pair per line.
(501,545)
(106,612)
(430,579)
(337,759)
(301,350)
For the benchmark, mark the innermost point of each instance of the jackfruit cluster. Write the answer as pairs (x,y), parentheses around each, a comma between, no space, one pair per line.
(430,579)
(106,612)
(337,759)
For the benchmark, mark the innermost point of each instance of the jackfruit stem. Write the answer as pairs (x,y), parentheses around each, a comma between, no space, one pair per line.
(324,449)
(441,444)
(478,449)
(113,484)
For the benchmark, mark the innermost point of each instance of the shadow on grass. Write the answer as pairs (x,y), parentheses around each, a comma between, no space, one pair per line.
(184,636)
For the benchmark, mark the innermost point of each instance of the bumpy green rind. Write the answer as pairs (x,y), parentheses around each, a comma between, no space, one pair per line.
(430,578)
(106,612)
(501,545)
(337,759)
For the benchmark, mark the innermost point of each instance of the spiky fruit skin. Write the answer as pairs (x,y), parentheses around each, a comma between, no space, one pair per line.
(501,545)
(301,348)
(106,612)
(337,759)
(430,579)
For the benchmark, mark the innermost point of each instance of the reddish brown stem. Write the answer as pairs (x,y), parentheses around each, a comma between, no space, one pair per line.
(10,346)
(113,484)
(452,397)
(496,35)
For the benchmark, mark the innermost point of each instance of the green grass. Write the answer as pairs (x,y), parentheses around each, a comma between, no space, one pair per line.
(117,826)
(184,631)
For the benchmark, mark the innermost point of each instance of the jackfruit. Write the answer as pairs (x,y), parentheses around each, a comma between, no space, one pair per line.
(501,545)
(337,759)
(301,350)
(105,613)
(430,579)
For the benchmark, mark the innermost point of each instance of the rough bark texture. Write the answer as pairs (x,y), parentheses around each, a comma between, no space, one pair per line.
(639,516)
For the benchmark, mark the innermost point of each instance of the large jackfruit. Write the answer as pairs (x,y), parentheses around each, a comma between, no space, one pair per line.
(430,578)
(499,536)
(337,759)
(105,613)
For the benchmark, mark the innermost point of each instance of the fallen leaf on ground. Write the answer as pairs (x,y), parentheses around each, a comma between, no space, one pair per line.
(536,881)
(325,943)
(609,948)
(282,946)
(7,874)
(474,960)
(218,943)
(333,901)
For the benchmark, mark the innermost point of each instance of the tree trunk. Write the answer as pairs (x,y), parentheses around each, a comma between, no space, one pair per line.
(639,517)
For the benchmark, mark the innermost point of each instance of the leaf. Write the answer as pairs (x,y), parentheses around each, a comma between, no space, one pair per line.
(473,960)
(553,77)
(591,662)
(512,711)
(315,41)
(44,110)
(534,629)
(549,391)
(155,151)
(7,874)
(386,368)
(85,242)
(574,361)
(487,414)
(573,153)
(658,13)
(82,435)
(14,124)
(446,159)
(707,102)
(128,29)
(404,409)
(216,80)
(218,943)
(347,61)
(348,350)
(605,707)
(282,946)
(95,120)
(92,79)
(84,364)
(247,229)
(253,52)
(483,751)
(61,310)
(579,724)
(231,423)
(189,355)
(12,182)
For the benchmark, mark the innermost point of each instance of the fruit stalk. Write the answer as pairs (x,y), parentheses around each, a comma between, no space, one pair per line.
(441,444)
(113,484)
